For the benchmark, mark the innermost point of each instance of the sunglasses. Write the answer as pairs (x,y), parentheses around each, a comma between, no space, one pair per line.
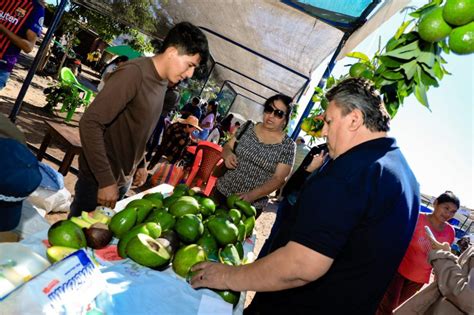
(277,112)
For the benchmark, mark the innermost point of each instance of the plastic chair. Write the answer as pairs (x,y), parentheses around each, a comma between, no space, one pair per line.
(208,155)
(68,78)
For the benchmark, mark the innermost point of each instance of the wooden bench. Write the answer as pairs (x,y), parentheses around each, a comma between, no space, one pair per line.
(69,136)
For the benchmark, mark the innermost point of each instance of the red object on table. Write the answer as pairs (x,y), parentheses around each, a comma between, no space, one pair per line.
(207,156)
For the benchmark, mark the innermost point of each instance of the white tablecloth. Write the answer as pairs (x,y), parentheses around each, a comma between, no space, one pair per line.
(134,289)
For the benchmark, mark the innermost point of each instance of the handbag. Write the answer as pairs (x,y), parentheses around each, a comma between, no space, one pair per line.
(167,173)
(221,169)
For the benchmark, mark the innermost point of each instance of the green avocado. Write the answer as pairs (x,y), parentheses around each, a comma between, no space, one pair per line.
(186,257)
(184,205)
(223,230)
(246,207)
(229,255)
(163,217)
(123,221)
(189,228)
(143,207)
(66,233)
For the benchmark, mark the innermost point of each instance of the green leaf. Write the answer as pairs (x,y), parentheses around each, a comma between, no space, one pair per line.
(359,55)
(330,82)
(324,103)
(427,57)
(318,90)
(381,81)
(420,94)
(392,75)
(390,62)
(426,8)
(427,79)
(392,107)
(429,71)
(409,69)
(315,98)
(438,70)
(405,52)
(444,46)
(402,29)
(392,44)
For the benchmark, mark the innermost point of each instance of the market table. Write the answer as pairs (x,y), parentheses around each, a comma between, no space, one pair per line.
(66,135)
(134,289)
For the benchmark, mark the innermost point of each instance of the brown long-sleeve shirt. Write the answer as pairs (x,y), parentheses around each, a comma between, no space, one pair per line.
(116,126)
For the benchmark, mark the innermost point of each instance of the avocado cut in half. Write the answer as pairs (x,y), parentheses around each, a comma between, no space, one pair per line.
(57,253)
(80,222)
(148,252)
(150,228)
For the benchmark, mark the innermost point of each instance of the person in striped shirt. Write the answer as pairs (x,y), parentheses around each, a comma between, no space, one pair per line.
(21,22)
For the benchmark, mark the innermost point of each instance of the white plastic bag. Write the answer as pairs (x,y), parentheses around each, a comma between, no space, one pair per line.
(48,200)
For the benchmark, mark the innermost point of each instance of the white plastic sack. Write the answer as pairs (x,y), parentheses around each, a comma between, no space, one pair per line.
(48,200)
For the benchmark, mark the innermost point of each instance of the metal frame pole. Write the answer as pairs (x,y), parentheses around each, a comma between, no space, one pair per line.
(39,55)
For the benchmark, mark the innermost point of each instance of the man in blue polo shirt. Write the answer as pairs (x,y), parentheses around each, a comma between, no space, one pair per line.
(21,22)
(351,224)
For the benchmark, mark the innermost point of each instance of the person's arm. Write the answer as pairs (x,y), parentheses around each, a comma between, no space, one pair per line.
(276,181)
(230,159)
(207,121)
(25,44)
(108,104)
(453,283)
(288,267)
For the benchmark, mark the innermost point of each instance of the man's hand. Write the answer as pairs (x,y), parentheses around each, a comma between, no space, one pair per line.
(107,196)
(231,161)
(210,275)
(316,162)
(140,177)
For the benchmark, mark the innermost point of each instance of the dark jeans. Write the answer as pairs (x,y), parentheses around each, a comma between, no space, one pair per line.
(399,290)
(276,226)
(85,195)
(155,138)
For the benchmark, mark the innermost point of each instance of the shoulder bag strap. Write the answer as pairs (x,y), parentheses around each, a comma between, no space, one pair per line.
(244,129)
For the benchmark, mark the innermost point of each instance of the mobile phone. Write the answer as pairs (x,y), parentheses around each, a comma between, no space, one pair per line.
(430,233)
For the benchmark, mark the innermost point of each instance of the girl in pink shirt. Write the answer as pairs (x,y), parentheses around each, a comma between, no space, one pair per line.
(414,270)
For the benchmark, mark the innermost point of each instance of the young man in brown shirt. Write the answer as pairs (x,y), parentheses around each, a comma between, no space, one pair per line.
(116,126)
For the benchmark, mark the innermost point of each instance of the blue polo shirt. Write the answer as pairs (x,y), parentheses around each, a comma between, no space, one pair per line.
(361,210)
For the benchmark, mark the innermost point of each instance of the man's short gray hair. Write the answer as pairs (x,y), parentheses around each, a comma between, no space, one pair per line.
(357,93)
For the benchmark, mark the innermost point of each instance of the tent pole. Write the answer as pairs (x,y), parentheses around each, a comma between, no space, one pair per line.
(39,55)
(207,79)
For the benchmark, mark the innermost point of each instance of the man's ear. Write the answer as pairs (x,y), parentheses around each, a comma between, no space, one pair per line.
(357,119)
(171,52)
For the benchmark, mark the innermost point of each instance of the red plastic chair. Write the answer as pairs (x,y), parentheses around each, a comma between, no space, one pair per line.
(208,155)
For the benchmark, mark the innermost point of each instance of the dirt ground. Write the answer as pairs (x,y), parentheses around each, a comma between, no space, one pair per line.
(31,121)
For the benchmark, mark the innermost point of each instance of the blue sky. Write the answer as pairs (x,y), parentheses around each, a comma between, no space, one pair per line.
(438,144)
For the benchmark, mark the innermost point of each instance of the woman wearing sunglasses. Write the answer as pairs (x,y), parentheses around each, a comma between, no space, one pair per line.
(263,158)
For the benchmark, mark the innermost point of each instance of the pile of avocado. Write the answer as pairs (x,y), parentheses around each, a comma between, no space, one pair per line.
(183,229)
